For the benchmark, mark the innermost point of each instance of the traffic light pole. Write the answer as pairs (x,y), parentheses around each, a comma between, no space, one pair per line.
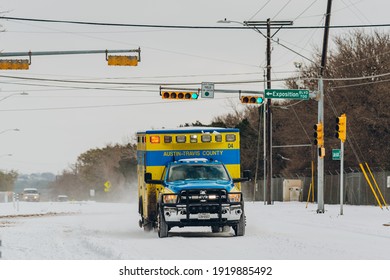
(320,159)
(268,110)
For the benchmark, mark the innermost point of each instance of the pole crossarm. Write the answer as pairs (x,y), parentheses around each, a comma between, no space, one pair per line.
(264,22)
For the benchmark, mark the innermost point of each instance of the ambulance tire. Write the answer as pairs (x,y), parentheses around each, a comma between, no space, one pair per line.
(215,229)
(162,227)
(239,229)
(148,227)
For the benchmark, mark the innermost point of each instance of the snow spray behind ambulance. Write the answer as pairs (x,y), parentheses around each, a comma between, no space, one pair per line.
(190,177)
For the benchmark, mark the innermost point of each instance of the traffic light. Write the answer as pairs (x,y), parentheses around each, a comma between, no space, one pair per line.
(121,60)
(341,127)
(14,64)
(252,99)
(181,95)
(319,134)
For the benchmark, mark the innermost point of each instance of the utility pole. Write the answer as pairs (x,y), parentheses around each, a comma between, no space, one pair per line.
(269,119)
(320,158)
(268,116)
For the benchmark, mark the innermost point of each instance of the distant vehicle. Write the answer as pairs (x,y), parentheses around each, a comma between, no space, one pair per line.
(62,198)
(30,194)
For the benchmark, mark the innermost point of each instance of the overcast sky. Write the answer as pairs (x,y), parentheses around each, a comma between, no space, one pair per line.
(58,120)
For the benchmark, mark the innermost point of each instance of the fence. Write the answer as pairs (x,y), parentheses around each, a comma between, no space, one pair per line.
(356,189)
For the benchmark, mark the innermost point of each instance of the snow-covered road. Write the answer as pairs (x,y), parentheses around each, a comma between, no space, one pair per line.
(109,231)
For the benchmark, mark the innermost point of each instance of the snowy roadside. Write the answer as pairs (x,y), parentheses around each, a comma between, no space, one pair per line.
(23,209)
(109,231)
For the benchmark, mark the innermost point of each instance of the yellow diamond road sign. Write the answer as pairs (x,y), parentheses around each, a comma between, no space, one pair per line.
(107,186)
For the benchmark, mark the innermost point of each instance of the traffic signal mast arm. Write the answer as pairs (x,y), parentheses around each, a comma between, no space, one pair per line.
(282,94)
(23,64)
(191,93)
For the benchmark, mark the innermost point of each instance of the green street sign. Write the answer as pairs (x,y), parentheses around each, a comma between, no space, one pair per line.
(287,93)
(336,154)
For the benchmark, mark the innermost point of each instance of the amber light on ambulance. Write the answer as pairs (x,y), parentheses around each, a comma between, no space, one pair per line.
(154,139)
(170,198)
(234,197)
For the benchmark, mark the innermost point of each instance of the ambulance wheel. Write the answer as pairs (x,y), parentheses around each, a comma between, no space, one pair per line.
(162,227)
(215,229)
(148,227)
(239,229)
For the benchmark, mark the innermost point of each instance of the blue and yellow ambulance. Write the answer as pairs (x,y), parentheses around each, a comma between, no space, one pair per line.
(190,177)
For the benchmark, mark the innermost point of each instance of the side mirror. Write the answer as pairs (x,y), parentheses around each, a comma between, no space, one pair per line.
(148,177)
(246,176)
(149,180)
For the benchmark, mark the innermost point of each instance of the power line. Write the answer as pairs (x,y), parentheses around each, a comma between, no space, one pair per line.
(128,83)
(187,26)
(98,106)
(259,10)
(193,83)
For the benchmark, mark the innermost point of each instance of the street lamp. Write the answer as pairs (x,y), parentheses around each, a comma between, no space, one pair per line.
(5,155)
(10,129)
(298,65)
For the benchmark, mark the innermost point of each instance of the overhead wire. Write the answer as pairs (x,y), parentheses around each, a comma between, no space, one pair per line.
(281,9)
(186,26)
(259,10)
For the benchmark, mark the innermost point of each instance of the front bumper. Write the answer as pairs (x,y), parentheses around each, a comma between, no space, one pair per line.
(31,199)
(180,216)
(187,212)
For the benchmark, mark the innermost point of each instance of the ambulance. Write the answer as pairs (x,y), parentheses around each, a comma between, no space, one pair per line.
(190,177)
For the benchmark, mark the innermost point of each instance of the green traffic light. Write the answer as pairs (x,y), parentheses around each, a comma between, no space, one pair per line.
(194,95)
(259,100)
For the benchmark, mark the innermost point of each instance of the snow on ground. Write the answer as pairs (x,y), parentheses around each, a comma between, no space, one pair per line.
(109,231)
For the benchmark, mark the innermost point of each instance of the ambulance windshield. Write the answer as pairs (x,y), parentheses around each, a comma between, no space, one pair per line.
(197,172)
